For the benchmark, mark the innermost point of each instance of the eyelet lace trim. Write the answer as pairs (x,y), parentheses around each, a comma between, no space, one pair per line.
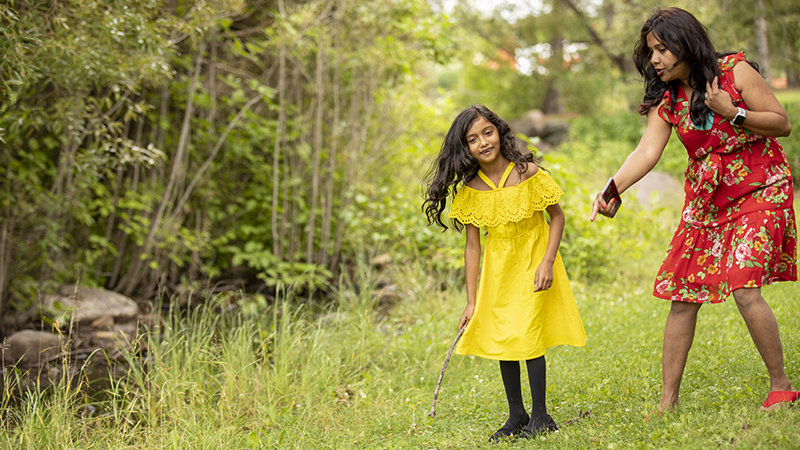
(504,205)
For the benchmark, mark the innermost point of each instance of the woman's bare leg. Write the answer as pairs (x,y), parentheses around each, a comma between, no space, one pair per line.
(678,337)
(763,329)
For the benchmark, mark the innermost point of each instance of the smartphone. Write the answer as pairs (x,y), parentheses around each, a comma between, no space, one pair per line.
(609,193)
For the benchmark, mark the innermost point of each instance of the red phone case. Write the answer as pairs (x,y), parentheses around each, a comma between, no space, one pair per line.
(609,193)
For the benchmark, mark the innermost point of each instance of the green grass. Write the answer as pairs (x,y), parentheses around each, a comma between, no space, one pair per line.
(288,380)
(788,95)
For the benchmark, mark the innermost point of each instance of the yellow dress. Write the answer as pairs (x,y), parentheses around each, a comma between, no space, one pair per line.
(511,322)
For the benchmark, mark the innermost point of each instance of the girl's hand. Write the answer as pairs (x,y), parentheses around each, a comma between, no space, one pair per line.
(466,316)
(543,279)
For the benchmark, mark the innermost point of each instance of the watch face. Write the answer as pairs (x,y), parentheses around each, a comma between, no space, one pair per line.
(740,116)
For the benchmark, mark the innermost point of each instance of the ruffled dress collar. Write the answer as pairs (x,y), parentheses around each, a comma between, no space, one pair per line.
(502,205)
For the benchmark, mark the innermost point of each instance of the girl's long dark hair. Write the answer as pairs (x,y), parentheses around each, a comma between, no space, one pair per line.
(455,165)
(688,40)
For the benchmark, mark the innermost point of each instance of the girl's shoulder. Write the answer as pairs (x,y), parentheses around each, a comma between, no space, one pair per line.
(531,169)
(508,204)
(515,177)
(477,184)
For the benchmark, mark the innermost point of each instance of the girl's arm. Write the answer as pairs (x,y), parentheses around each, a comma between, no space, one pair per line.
(472,262)
(642,160)
(543,279)
(765,115)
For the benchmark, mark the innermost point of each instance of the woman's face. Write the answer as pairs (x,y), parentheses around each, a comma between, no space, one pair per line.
(666,64)
(484,140)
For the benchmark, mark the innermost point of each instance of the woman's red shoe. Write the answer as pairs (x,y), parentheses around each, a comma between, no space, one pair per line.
(779,399)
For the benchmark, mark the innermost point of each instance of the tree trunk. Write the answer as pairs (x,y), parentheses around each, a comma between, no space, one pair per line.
(277,237)
(762,44)
(4,259)
(328,217)
(792,78)
(317,153)
(295,163)
(552,102)
(122,237)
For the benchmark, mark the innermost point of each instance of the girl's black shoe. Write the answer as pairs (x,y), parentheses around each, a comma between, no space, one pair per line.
(509,429)
(538,426)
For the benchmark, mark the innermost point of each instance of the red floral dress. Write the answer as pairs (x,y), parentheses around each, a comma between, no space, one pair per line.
(738,225)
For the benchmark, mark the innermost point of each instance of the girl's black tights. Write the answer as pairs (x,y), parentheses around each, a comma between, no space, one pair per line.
(537,377)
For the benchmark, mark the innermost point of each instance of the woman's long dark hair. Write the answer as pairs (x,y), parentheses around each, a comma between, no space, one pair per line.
(455,165)
(688,40)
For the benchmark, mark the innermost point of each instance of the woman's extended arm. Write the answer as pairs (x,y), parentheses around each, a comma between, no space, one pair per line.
(472,262)
(642,160)
(543,279)
(765,115)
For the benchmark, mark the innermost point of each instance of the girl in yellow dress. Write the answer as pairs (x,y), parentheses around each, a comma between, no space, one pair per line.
(522,303)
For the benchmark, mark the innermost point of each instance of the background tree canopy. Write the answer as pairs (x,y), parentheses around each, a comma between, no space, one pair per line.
(191,146)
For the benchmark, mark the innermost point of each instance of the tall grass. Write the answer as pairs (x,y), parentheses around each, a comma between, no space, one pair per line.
(347,378)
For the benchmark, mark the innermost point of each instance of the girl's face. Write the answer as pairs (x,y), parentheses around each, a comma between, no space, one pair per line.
(666,64)
(484,140)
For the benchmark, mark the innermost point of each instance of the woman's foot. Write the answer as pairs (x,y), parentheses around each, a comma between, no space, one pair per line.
(538,426)
(779,400)
(510,428)
(661,409)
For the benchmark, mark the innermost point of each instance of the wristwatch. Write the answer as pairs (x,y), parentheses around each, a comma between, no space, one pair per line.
(738,120)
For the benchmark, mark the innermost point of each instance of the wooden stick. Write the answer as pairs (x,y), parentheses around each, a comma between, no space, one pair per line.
(444,366)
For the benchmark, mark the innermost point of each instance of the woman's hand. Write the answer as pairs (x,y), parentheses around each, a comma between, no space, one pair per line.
(600,206)
(543,279)
(765,115)
(466,316)
(719,100)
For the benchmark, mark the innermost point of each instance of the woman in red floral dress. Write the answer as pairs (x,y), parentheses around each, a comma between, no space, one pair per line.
(737,231)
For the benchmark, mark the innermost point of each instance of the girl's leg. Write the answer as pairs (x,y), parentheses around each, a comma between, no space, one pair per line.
(537,377)
(678,337)
(764,330)
(517,417)
(540,422)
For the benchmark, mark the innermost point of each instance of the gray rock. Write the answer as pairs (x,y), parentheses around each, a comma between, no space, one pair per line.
(554,133)
(31,347)
(103,322)
(530,124)
(668,191)
(89,305)
(15,320)
(535,124)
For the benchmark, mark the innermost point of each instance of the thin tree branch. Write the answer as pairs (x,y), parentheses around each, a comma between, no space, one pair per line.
(188,192)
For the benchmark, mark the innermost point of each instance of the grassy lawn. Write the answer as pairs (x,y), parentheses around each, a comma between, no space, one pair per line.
(616,377)
(349,380)
(788,95)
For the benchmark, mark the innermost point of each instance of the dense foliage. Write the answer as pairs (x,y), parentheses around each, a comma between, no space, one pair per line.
(181,146)
(158,145)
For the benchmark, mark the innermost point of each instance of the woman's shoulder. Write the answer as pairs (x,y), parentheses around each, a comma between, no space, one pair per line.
(665,107)
(728,62)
